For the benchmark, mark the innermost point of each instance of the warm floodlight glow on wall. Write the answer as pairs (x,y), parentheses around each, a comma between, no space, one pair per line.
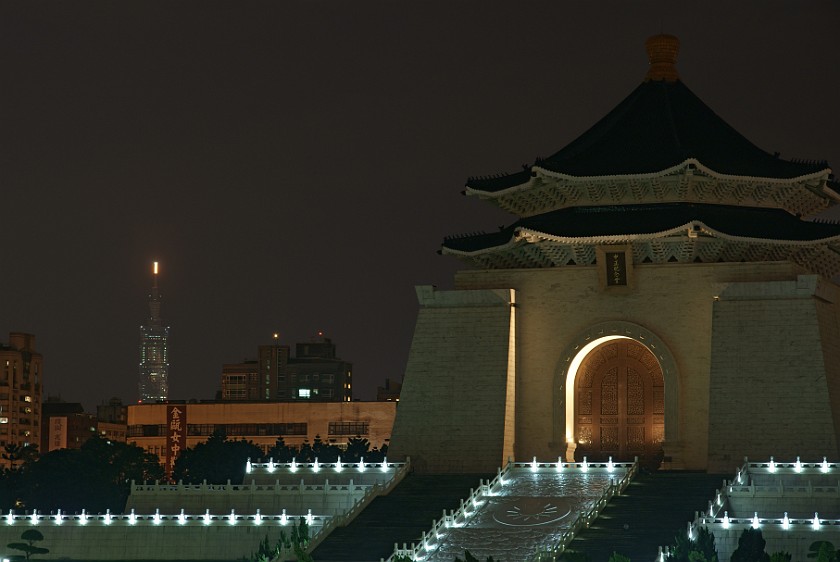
(570,381)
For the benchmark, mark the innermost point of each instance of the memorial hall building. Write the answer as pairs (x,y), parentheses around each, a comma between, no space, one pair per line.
(665,293)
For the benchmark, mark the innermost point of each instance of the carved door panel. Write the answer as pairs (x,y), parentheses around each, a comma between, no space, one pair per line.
(619,403)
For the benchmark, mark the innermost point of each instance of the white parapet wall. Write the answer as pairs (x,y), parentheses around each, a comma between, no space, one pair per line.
(794,504)
(208,536)
(183,525)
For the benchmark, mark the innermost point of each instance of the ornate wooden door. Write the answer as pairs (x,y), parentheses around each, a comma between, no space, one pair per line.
(620,403)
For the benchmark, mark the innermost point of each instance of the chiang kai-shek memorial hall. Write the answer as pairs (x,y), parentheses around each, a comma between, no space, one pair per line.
(665,293)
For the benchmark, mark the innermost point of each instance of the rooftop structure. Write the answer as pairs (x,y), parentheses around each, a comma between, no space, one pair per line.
(154,358)
(314,374)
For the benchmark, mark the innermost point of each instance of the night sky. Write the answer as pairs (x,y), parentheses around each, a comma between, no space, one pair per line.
(294,165)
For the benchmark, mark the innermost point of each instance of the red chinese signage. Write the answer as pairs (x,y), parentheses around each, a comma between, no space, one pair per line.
(176,435)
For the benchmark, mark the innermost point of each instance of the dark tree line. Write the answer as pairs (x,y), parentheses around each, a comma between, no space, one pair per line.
(218,459)
(98,476)
(95,477)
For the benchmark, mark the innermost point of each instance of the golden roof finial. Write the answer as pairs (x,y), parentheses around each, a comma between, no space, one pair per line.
(662,53)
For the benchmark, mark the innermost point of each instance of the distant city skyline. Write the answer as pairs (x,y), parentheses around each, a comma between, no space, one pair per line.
(295,166)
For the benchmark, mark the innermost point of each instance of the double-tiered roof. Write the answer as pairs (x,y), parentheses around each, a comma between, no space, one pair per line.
(664,172)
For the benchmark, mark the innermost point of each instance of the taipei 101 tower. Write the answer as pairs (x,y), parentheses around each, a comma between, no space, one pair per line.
(154,364)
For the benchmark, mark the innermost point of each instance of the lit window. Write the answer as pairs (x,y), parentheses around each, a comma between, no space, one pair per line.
(303,393)
(4,420)
(27,399)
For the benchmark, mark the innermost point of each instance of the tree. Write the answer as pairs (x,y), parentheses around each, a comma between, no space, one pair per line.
(616,557)
(699,549)
(781,556)
(217,460)
(101,472)
(31,536)
(357,448)
(750,547)
(823,551)
(13,453)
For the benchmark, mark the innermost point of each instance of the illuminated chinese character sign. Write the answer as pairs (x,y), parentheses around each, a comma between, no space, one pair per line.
(616,264)
(58,433)
(615,267)
(176,435)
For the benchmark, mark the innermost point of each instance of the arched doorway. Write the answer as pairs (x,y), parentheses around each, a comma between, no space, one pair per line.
(620,404)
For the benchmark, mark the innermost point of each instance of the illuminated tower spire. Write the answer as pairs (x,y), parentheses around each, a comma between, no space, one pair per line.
(154,362)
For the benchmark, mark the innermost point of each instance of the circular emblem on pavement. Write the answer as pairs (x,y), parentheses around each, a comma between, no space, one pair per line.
(528,512)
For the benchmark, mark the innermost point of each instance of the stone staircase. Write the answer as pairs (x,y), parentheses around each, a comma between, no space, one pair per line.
(400,517)
(651,511)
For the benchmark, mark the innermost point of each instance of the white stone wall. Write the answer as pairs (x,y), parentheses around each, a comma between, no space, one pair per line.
(324,499)
(460,350)
(145,541)
(794,541)
(769,386)
(459,407)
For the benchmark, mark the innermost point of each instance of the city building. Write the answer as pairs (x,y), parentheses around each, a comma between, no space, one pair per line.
(65,425)
(390,392)
(154,361)
(151,426)
(314,374)
(112,420)
(664,294)
(21,381)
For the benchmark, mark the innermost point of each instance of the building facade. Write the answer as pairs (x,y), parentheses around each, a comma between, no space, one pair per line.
(65,425)
(663,294)
(21,383)
(150,425)
(154,359)
(314,374)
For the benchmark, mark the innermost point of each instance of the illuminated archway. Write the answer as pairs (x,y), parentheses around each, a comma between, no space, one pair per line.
(573,356)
